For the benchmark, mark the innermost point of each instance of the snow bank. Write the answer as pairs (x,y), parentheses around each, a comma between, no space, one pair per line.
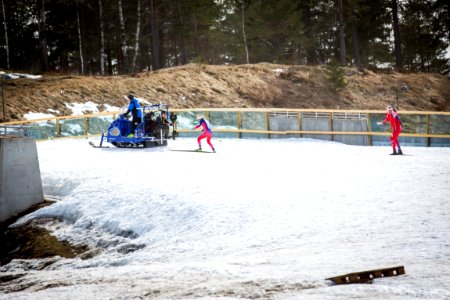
(81,108)
(13,76)
(36,116)
(78,109)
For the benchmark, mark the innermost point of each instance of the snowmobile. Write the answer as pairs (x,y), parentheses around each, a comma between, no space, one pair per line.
(146,135)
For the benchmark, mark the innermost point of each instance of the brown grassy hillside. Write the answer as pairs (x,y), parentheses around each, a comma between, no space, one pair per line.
(260,85)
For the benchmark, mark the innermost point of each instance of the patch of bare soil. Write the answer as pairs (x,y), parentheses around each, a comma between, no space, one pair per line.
(32,241)
(235,86)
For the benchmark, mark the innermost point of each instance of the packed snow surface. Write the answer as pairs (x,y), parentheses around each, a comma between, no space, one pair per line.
(268,219)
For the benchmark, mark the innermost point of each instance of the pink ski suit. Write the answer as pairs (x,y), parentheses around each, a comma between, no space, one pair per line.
(396,124)
(207,133)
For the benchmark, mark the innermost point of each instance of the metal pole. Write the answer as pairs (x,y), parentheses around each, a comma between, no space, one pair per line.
(331,125)
(396,104)
(3,104)
(428,131)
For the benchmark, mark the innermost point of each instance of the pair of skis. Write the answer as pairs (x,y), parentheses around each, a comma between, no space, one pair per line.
(101,143)
(184,150)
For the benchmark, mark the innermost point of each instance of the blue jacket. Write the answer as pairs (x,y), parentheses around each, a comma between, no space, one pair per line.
(135,108)
(204,124)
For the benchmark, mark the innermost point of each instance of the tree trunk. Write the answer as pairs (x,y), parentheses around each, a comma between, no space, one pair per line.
(341,35)
(183,52)
(5,26)
(311,58)
(42,36)
(109,59)
(154,35)
(161,49)
(243,33)
(123,44)
(197,47)
(80,43)
(397,39)
(102,39)
(356,50)
(136,39)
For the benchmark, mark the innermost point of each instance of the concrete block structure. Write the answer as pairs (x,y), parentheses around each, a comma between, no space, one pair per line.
(21,184)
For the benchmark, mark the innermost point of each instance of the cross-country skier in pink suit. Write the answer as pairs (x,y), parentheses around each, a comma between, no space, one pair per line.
(207,133)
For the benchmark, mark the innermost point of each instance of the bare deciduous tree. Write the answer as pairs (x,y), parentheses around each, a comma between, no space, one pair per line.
(136,36)
(5,26)
(102,39)
(80,43)
(243,32)
(123,44)
(42,36)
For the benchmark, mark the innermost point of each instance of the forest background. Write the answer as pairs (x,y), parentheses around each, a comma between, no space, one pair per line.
(117,37)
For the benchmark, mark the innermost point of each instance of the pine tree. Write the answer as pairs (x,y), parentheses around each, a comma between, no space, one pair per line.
(342,51)
(336,76)
(397,38)
(429,54)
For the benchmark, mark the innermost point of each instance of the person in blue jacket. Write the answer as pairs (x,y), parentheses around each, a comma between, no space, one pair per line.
(135,110)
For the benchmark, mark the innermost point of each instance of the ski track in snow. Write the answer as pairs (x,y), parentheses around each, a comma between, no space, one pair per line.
(259,219)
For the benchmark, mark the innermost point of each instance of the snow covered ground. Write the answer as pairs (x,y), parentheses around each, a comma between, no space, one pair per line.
(77,109)
(266,219)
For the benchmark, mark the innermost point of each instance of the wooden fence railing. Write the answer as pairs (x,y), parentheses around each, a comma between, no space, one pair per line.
(264,121)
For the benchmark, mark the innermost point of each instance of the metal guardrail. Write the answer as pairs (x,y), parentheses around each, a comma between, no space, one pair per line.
(15,130)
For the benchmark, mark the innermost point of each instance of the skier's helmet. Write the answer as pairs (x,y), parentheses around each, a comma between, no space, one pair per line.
(199,116)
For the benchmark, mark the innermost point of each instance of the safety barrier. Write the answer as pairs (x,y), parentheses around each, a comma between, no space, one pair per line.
(354,127)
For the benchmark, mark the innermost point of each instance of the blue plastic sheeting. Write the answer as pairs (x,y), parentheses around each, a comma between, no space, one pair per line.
(43,130)
(254,121)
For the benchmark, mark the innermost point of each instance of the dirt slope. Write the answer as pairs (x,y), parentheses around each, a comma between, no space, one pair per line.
(260,85)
